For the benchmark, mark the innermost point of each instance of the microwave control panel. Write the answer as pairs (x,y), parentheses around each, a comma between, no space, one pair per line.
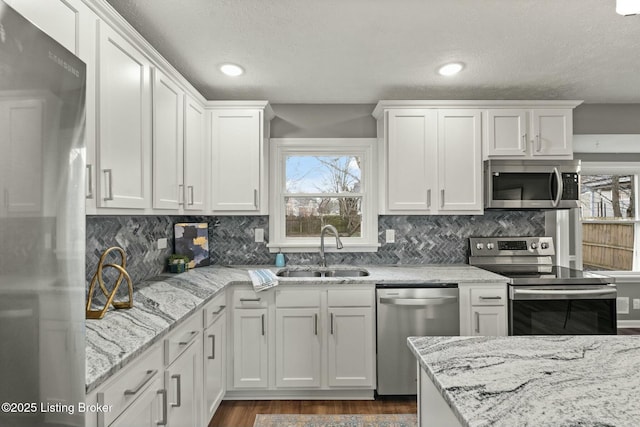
(570,186)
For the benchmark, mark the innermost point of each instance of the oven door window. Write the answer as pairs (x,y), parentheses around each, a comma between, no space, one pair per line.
(563,317)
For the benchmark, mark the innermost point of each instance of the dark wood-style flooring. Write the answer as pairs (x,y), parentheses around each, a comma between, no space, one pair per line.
(242,413)
(629,331)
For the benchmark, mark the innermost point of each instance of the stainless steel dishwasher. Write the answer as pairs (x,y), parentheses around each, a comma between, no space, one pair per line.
(403,311)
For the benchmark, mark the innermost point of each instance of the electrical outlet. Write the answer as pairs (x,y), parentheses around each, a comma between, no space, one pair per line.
(390,236)
(636,303)
(162,243)
(259,235)
(622,305)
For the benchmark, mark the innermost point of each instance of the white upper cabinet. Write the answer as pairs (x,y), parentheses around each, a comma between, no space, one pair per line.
(507,133)
(530,133)
(124,135)
(195,155)
(431,162)
(410,152)
(460,161)
(552,130)
(168,190)
(239,159)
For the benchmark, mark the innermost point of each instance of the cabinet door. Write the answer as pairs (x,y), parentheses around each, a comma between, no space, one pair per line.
(460,160)
(236,152)
(411,160)
(552,132)
(489,321)
(124,122)
(350,346)
(297,347)
(168,191)
(250,349)
(183,382)
(214,366)
(146,411)
(194,155)
(507,132)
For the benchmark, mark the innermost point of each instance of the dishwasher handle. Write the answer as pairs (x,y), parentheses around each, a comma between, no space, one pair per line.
(418,301)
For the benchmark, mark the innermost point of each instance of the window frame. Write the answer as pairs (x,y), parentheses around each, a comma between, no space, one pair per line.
(279,149)
(616,168)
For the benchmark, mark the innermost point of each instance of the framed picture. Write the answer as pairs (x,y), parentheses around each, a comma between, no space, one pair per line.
(192,240)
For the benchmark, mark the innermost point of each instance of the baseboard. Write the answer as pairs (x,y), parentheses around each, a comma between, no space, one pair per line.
(628,324)
(299,395)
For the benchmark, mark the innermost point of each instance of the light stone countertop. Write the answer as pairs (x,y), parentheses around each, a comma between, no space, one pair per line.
(539,381)
(162,303)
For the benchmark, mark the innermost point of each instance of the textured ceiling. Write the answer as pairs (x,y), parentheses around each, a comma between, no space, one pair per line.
(362,51)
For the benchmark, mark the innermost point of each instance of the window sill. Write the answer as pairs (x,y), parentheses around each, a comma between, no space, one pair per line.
(315,247)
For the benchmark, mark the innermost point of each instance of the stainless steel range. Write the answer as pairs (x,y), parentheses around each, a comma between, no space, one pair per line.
(545,299)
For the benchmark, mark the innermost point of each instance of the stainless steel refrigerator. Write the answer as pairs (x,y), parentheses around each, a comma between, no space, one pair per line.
(42,227)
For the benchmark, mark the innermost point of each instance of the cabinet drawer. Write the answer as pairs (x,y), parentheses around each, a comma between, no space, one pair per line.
(179,340)
(129,384)
(249,299)
(489,296)
(298,298)
(350,298)
(213,309)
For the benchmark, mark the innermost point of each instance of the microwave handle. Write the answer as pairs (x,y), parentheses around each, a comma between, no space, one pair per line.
(560,190)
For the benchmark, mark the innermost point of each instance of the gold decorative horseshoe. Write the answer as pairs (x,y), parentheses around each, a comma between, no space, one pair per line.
(97,277)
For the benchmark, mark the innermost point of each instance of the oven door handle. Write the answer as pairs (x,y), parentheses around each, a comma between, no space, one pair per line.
(418,301)
(565,293)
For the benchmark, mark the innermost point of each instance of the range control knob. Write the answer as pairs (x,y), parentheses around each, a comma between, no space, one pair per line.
(534,245)
(544,245)
(479,246)
(490,246)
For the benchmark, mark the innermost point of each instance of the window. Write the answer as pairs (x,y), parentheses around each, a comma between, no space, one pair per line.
(318,182)
(609,216)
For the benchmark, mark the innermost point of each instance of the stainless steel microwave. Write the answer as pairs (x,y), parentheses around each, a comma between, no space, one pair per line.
(532,184)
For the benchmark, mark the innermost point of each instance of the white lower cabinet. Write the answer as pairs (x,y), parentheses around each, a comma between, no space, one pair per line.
(250,349)
(488,321)
(149,409)
(297,347)
(136,393)
(483,309)
(214,346)
(350,347)
(316,339)
(350,343)
(182,380)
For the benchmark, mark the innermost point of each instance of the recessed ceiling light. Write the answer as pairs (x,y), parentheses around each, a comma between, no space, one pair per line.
(232,70)
(450,69)
(628,7)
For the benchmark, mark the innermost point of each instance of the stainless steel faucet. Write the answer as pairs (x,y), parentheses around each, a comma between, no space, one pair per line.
(330,228)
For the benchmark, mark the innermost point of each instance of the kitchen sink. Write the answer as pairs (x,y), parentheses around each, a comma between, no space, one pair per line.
(356,272)
(323,272)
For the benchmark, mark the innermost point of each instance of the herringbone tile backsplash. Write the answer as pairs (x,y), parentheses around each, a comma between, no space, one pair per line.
(419,239)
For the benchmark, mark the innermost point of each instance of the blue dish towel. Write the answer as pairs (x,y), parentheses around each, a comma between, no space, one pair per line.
(263,279)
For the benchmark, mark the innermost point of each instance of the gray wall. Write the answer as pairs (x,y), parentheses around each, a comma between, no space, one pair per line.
(355,120)
(606,118)
(323,121)
(631,291)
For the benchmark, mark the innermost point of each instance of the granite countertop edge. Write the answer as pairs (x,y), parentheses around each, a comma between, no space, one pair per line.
(412,343)
(163,302)
(557,380)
